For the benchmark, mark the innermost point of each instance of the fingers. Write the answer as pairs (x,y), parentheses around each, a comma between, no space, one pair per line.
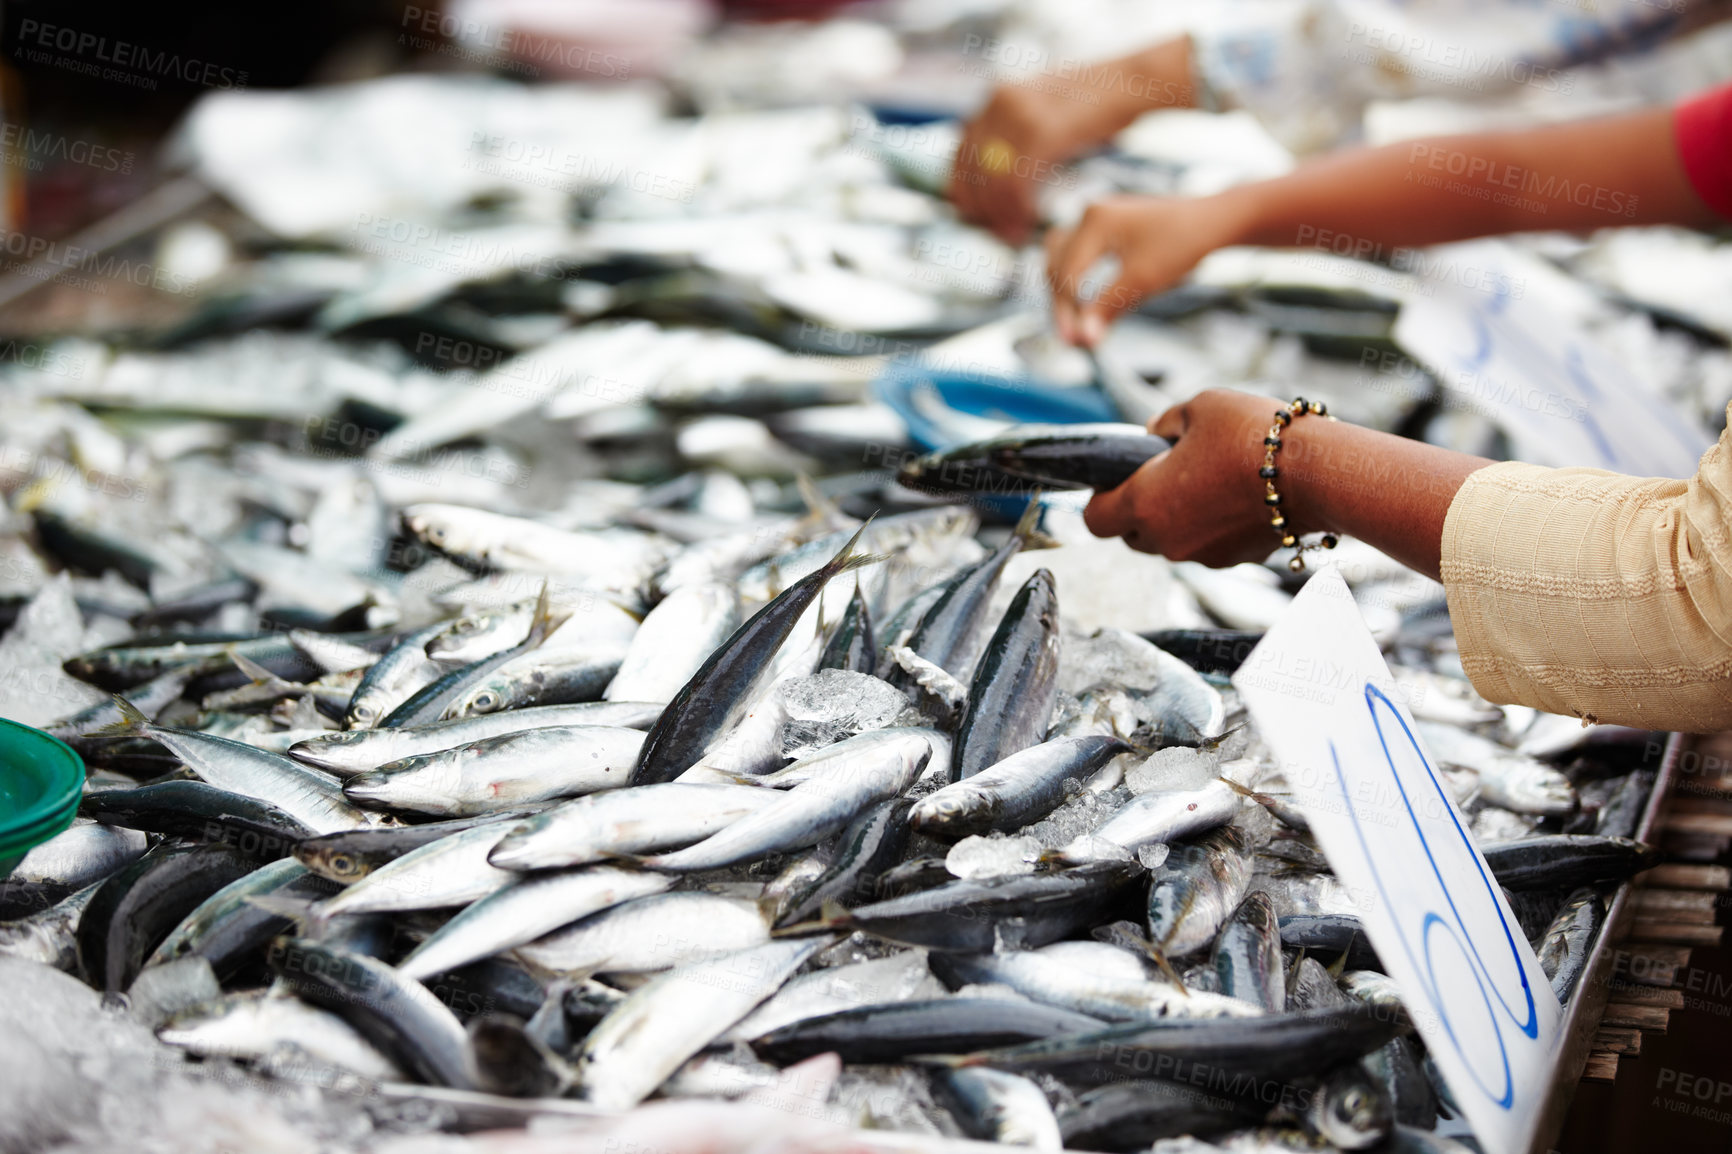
(1115,512)
(1069,256)
(1172,424)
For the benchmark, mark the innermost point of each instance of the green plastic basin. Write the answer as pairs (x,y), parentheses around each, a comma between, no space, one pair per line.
(41,780)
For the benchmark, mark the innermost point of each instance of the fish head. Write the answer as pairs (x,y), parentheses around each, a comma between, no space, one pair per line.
(1352,1110)
(487,697)
(954,810)
(331,862)
(365,711)
(426,783)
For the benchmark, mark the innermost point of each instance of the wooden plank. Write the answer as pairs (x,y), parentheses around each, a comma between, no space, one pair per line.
(1697,803)
(1647,995)
(1677,933)
(1653,1019)
(1649,965)
(1688,877)
(1601,1067)
(1693,847)
(1715,824)
(1618,1040)
(1675,905)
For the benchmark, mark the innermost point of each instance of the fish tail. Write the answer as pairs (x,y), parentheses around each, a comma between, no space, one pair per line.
(1028,532)
(1293,974)
(310,921)
(132,723)
(251,668)
(1214,743)
(545,620)
(819,508)
(847,559)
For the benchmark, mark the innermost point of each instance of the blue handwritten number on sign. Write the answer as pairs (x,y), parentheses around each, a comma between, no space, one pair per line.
(1436,929)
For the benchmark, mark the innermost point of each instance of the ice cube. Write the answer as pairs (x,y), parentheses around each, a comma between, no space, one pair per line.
(992,857)
(1177,767)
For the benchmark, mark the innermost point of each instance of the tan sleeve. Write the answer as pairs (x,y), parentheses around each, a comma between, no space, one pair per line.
(1589,593)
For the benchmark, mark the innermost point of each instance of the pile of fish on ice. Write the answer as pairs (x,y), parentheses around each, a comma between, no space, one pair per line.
(501,715)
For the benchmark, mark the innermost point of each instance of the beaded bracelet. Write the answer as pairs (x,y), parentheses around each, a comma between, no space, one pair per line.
(1272,445)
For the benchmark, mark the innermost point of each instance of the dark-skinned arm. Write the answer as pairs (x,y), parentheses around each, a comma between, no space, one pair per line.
(1584,175)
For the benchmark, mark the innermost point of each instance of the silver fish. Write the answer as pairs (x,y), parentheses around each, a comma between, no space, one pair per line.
(867,773)
(1022,788)
(1154,817)
(643,819)
(393,679)
(452,871)
(678,635)
(994,1106)
(651,934)
(504,772)
(257,1024)
(525,910)
(636,1047)
(1010,699)
(357,751)
(1092,978)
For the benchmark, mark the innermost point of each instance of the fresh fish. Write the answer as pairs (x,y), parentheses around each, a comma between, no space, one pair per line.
(398,1015)
(1247,955)
(1330,936)
(120,667)
(1559,861)
(1090,978)
(1622,812)
(451,871)
(1022,788)
(432,702)
(72,859)
(566,676)
(525,910)
(709,705)
(857,773)
(892,1031)
(227,926)
(1564,947)
(1351,1109)
(136,909)
(978,916)
(852,645)
(640,820)
(997,1107)
(256,1024)
(672,1017)
(1132,1114)
(817,992)
(305,794)
(1195,889)
(1508,779)
(1152,818)
(1028,457)
(350,855)
(676,638)
(199,812)
(913,876)
(619,558)
(150,698)
(1397,1068)
(872,843)
(651,934)
(357,751)
(504,772)
(1207,650)
(394,678)
(1272,1046)
(329,653)
(1010,699)
(48,936)
(950,633)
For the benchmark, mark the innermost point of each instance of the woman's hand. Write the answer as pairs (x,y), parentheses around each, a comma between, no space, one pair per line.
(1201,500)
(1157,240)
(1017,141)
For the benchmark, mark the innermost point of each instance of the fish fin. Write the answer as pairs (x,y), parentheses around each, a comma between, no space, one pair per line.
(132,723)
(807,929)
(304,912)
(1028,531)
(819,508)
(1339,965)
(1213,743)
(1293,974)
(635,614)
(545,621)
(769,908)
(846,559)
(253,669)
(1159,956)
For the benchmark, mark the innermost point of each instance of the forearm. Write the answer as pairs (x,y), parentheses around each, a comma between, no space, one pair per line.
(1118,91)
(1389,491)
(1574,177)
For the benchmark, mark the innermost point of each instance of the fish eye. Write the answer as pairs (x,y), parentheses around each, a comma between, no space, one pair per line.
(342,863)
(486,702)
(437,534)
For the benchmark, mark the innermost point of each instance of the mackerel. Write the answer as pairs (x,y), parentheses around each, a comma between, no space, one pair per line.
(394,678)
(505,772)
(675,639)
(1151,818)
(651,934)
(644,819)
(1093,978)
(1023,788)
(357,751)
(1011,697)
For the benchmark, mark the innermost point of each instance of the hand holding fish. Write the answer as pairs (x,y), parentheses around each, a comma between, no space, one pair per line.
(1202,500)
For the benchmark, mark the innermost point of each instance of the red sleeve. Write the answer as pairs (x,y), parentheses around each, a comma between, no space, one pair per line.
(1703,127)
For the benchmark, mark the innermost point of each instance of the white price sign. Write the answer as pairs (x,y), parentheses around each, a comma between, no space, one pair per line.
(1325,703)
